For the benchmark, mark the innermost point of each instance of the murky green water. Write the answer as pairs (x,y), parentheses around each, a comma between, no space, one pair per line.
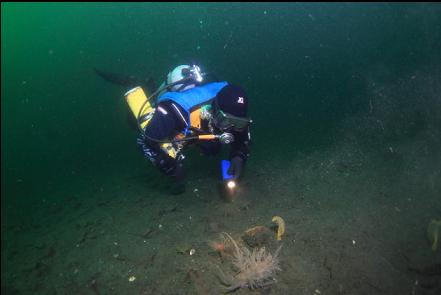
(317,75)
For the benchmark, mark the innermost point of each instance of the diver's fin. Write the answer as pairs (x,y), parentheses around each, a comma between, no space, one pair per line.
(128,81)
(131,81)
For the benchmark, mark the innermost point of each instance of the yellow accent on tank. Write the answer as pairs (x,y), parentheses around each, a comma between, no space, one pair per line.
(136,98)
(169,149)
(281,226)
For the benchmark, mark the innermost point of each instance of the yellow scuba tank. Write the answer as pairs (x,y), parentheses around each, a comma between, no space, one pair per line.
(137,99)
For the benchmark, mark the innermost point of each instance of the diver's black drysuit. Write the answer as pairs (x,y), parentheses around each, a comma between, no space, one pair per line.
(168,121)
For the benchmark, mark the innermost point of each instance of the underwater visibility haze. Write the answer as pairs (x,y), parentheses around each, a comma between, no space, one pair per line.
(341,193)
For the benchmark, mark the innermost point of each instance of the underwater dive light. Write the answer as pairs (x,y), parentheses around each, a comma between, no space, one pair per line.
(196,73)
(231,184)
(228,178)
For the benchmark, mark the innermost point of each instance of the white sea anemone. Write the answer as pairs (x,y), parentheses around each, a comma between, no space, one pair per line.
(252,269)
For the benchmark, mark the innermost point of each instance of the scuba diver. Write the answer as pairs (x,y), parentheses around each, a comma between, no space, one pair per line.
(185,110)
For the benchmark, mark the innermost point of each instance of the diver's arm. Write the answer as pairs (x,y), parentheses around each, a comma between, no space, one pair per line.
(239,153)
(163,126)
(241,145)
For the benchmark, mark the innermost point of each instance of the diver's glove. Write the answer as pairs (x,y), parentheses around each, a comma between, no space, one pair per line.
(236,167)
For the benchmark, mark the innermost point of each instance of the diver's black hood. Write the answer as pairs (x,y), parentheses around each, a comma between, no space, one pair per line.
(232,99)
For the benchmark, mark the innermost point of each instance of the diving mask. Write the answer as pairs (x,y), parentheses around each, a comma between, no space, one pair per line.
(225,121)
